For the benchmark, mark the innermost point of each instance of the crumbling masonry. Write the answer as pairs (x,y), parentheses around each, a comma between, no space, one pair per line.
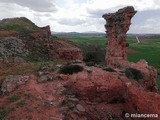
(117,26)
(116,56)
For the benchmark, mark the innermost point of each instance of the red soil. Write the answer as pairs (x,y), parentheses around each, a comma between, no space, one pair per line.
(41,102)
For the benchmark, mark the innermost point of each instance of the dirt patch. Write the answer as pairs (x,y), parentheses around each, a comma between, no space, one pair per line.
(36,101)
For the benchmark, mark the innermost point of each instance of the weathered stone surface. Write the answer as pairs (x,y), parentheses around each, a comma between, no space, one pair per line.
(80,108)
(45,78)
(150,73)
(141,101)
(44,34)
(47,31)
(12,82)
(105,92)
(62,50)
(70,54)
(117,26)
(12,48)
(98,86)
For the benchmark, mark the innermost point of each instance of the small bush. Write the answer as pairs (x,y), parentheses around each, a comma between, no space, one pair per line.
(134,74)
(21,104)
(3,113)
(91,57)
(127,44)
(14,98)
(70,69)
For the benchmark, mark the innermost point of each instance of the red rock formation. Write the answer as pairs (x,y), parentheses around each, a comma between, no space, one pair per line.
(45,34)
(47,30)
(117,26)
(38,40)
(58,49)
(150,73)
(104,94)
(62,50)
(38,35)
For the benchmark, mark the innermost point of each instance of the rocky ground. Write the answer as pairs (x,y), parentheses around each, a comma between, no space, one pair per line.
(90,93)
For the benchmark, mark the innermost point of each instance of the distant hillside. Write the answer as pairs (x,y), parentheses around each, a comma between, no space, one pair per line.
(79,34)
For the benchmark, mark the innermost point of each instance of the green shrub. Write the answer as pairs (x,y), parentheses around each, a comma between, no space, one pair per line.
(127,44)
(3,113)
(70,69)
(91,57)
(21,104)
(132,73)
(14,98)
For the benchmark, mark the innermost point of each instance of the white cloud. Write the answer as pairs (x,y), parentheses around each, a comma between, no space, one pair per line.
(36,5)
(82,15)
(71,22)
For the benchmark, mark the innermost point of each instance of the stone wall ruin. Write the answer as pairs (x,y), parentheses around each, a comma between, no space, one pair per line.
(117,26)
(116,56)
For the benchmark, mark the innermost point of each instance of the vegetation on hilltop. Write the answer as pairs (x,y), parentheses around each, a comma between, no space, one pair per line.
(19,26)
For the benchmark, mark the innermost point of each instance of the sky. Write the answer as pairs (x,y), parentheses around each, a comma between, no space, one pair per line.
(82,15)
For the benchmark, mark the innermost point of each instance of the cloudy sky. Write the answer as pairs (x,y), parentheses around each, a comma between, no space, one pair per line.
(82,15)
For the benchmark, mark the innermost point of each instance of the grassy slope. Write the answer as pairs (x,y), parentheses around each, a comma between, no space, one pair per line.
(86,40)
(21,26)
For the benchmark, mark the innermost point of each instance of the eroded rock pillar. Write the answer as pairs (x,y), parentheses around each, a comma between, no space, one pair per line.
(117,26)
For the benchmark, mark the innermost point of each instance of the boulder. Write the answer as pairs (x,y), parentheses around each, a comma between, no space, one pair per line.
(98,86)
(12,82)
(12,48)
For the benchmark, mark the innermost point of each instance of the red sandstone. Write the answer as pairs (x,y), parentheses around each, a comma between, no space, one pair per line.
(117,26)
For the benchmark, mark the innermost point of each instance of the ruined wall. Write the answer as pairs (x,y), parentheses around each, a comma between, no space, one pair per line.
(116,56)
(117,26)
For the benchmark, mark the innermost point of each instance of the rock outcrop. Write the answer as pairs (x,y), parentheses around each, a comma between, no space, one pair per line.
(116,56)
(12,49)
(38,41)
(117,26)
(47,30)
(107,95)
(12,82)
(62,50)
